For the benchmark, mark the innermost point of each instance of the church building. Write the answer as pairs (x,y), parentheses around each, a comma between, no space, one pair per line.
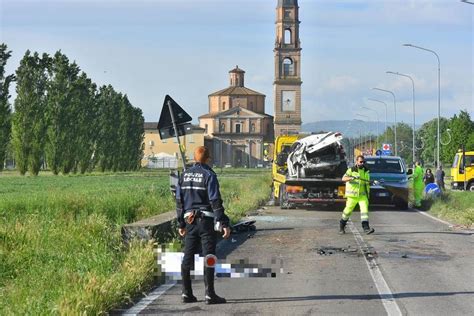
(236,126)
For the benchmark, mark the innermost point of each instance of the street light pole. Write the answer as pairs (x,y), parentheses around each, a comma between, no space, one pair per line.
(377,114)
(386,111)
(395,111)
(413,85)
(360,133)
(439,91)
(370,137)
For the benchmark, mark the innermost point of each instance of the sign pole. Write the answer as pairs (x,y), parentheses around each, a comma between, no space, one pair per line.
(176,134)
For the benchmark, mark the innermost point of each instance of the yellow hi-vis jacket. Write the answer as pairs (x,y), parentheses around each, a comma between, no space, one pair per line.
(358,187)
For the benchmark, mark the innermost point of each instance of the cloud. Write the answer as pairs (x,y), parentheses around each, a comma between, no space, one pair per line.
(344,13)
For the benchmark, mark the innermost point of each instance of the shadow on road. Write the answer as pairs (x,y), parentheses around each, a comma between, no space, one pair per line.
(429,232)
(346,297)
(225,247)
(274,229)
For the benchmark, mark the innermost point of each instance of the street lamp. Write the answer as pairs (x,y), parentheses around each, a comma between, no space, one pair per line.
(386,110)
(413,85)
(439,91)
(378,122)
(360,133)
(370,136)
(395,111)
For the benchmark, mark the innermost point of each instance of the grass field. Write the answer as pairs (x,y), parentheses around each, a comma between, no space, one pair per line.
(454,206)
(60,243)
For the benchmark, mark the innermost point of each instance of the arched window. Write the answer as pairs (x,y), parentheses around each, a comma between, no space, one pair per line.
(223,105)
(287,36)
(238,128)
(252,128)
(205,127)
(222,128)
(288,69)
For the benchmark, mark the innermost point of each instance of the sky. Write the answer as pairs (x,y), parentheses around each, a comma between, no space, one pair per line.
(185,48)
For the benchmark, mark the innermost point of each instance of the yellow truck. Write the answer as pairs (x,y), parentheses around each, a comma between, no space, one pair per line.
(306,188)
(461,173)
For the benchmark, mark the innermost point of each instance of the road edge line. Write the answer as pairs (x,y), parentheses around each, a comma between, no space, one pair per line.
(150,298)
(433,217)
(386,295)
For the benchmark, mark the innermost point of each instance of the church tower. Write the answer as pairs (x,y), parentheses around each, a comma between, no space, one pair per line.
(287,84)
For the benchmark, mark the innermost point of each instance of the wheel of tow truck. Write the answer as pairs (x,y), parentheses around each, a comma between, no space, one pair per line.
(276,200)
(282,197)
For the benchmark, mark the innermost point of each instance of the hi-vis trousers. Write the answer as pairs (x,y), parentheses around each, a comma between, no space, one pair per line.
(351,204)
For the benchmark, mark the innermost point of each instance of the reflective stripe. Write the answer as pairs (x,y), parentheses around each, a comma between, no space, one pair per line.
(194,188)
(355,192)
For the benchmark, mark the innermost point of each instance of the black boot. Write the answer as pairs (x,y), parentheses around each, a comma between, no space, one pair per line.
(342,227)
(211,296)
(187,296)
(366,227)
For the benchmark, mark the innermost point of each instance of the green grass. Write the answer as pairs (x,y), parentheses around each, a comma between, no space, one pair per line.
(60,242)
(454,206)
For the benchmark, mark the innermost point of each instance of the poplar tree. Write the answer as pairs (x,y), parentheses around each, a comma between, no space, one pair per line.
(61,114)
(85,100)
(5,109)
(29,123)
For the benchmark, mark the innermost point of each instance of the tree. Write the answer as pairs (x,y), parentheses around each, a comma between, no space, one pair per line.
(106,153)
(462,129)
(29,123)
(85,100)
(131,132)
(426,139)
(5,109)
(61,114)
(405,141)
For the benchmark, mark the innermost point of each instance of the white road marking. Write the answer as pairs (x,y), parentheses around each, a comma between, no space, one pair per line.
(432,217)
(147,300)
(388,301)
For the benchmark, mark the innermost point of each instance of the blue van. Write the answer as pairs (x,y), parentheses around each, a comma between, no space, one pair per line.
(391,175)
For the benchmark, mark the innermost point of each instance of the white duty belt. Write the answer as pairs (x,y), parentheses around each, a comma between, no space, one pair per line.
(205,213)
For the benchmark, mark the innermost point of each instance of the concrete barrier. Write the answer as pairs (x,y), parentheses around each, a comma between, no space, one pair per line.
(161,228)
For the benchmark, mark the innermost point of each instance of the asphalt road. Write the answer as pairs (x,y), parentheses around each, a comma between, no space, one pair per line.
(411,265)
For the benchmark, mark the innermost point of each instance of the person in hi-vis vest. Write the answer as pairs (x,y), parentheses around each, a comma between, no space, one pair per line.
(357,181)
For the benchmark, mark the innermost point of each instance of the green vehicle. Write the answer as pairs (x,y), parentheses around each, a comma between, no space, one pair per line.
(391,175)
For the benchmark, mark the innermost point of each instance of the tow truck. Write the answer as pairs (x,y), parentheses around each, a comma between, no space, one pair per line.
(305,189)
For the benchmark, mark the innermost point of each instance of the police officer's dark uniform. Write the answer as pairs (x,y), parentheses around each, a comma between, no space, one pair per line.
(199,205)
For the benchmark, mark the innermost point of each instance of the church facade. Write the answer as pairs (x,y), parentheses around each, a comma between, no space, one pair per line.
(236,126)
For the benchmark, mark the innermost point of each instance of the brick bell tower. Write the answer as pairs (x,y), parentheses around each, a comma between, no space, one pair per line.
(287,84)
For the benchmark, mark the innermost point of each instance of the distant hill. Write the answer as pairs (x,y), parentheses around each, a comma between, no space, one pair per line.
(348,128)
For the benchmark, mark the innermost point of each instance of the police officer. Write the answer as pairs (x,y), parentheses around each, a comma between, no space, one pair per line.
(357,181)
(199,211)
